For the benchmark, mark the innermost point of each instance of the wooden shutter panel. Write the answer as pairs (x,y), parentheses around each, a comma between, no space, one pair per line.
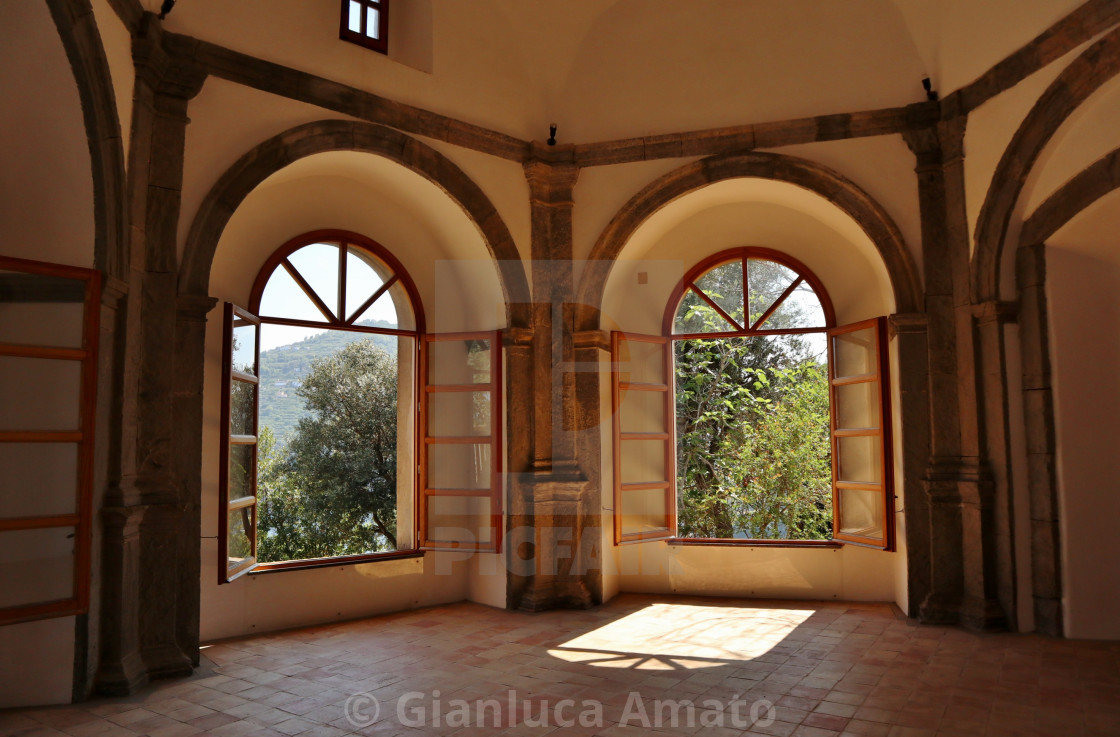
(862,476)
(645,506)
(237,519)
(461,451)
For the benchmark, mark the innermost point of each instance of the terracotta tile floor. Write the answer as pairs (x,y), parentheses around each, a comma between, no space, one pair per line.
(756,668)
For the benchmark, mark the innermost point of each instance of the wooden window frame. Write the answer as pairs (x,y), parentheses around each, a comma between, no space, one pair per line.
(496,491)
(804,275)
(280,260)
(667,436)
(361,37)
(83,436)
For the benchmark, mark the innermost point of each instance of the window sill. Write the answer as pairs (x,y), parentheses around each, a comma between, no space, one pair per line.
(731,543)
(350,560)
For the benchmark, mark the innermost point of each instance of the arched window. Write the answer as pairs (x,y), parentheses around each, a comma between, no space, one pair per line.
(322,416)
(752,417)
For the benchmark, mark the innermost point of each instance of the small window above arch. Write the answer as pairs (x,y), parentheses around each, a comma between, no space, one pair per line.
(366,23)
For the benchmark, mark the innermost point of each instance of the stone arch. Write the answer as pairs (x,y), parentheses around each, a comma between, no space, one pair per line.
(77,28)
(1094,182)
(340,135)
(1096,66)
(831,185)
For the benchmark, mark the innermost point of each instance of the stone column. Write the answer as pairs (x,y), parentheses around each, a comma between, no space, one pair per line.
(551,500)
(957,484)
(1038,408)
(150,549)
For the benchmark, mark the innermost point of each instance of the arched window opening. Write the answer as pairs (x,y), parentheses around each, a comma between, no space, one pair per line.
(753,417)
(352,435)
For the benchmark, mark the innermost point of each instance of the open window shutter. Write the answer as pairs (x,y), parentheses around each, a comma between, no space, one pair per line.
(645,506)
(460,453)
(862,490)
(237,518)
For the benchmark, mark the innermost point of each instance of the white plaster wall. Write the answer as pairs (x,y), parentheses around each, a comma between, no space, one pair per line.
(117,41)
(37,662)
(46,185)
(1083,284)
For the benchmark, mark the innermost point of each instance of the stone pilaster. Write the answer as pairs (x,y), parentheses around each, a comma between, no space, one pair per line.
(552,504)
(151,526)
(958,484)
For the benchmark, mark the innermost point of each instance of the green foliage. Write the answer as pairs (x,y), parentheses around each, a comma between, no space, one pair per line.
(332,488)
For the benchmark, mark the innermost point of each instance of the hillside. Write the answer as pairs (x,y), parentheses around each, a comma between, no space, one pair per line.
(284,367)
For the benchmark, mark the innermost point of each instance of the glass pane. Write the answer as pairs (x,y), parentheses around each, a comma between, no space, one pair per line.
(640,362)
(697,316)
(854,353)
(364,276)
(48,324)
(282,297)
(724,286)
(354,17)
(859,459)
(643,510)
(38,479)
(373,29)
(642,411)
(453,362)
(239,539)
(801,309)
(36,566)
(244,346)
(766,280)
(242,466)
(459,466)
(643,461)
(857,406)
(861,513)
(318,265)
(459,519)
(458,414)
(243,408)
(39,394)
(382,313)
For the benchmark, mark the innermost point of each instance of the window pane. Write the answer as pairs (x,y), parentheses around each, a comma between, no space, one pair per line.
(857,405)
(38,479)
(859,460)
(453,362)
(364,276)
(373,28)
(801,309)
(282,297)
(641,362)
(39,394)
(459,519)
(724,286)
(47,324)
(861,513)
(643,510)
(354,17)
(244,346)
(459,466)
(243,408)
(318,265)
(383,312)
(766,280)
(459,414)
(697,316)
(36,566)
(854,353)
(642,411)
(242,463)
(643,461)
(241,523)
